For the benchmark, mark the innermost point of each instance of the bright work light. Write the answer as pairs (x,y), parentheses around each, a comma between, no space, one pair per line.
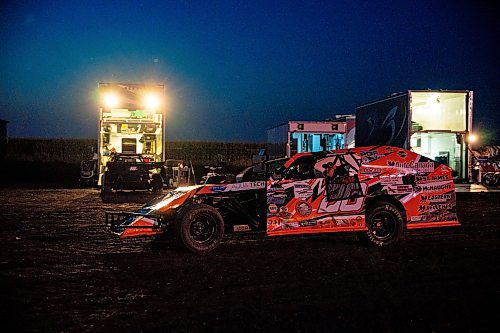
(111,100)
(151,102)
(471,138)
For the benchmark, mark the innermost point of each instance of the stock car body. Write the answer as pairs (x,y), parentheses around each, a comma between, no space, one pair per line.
(377,192)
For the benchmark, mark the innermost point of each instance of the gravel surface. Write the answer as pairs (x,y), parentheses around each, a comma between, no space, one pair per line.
(61,271)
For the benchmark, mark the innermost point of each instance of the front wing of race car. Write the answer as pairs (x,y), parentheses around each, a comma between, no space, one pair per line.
(127,224)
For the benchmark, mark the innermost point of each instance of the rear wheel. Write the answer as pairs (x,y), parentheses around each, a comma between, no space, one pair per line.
(157,184)
(385,224)
(200,229)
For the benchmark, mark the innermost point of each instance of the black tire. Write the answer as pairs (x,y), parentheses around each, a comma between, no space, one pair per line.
(200,229)
(106,191)
(385,224)
(157,184)
(489,179)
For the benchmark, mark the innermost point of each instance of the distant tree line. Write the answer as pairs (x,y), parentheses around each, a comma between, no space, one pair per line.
(73,151)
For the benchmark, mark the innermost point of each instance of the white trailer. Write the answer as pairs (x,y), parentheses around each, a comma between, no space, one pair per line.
(131,123)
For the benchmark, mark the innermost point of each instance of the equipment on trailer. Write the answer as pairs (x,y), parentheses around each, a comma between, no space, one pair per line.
(131,137)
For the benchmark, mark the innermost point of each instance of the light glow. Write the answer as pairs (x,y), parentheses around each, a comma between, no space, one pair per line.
(111,100)
(471,138)
(151,102)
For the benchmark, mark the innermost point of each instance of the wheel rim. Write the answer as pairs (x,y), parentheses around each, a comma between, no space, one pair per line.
(383,225)
(203,229)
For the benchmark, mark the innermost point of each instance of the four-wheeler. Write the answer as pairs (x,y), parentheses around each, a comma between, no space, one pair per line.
(132,172)
(377,191)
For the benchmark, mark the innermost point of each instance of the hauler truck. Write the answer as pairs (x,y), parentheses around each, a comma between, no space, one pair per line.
(131,137)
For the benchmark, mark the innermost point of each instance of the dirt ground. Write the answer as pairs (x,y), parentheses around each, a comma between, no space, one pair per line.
(61,271)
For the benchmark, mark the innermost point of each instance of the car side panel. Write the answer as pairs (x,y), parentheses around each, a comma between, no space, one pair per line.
(424,187)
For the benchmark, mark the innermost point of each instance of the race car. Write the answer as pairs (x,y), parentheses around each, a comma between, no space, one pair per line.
(377,191)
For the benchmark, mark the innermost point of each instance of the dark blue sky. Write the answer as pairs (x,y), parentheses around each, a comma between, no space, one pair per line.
(233,69)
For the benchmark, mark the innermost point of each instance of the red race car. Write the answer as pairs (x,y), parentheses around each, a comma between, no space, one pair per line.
(374,191)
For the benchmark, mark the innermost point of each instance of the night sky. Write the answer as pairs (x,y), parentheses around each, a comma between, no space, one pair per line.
(234,69)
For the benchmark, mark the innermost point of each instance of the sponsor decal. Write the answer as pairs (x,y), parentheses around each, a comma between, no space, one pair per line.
(302,191)
(239,186)
(419,166)
(359,220)
(398,189)
(218,188)
(370,170)
(369,156)
(421,178)
(278,199)
(431,187)
(303,208)
(284,212)
(391,180)
(440,177)
(273,209)
(241,227)
(435,197)
(275,187)
(434,207)
(341,222)
(274,222)
(324,223)
(248,185)
(439,206)
(308,223)
(402,153)
(417,218)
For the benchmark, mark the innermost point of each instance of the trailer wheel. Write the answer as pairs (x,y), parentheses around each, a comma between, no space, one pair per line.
(200,229)
(385,224)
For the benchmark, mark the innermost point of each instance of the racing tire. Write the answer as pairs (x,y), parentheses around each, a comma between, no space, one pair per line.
(385,224)
(200,229)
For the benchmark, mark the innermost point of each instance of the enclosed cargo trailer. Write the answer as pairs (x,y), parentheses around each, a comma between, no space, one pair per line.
(131,136)
(293,137)
(433,123)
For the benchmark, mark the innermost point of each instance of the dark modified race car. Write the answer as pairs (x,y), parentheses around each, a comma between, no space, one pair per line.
(377,192)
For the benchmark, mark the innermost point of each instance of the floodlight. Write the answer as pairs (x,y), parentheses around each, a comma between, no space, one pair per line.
(471,138)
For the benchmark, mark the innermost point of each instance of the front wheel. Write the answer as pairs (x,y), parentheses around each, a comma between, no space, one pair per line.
(200,229)
(385,224)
